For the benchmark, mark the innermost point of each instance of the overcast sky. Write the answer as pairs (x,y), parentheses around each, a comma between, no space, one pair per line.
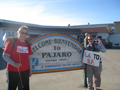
(61,12)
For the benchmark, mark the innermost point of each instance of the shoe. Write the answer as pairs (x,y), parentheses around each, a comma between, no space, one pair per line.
(96,88)
(91,88)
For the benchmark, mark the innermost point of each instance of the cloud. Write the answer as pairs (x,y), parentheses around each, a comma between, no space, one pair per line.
(33,14)
(54,1)
(13,11)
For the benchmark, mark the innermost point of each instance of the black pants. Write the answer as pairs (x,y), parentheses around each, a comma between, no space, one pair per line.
(13,78)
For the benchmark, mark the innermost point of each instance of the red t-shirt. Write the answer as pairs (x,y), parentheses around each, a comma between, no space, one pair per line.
(18,54)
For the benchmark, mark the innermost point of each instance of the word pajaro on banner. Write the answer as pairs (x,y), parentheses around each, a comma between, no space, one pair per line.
(91,58)
(56,52)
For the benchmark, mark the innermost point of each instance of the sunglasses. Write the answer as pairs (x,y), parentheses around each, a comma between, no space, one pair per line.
(24,33)
(90,39)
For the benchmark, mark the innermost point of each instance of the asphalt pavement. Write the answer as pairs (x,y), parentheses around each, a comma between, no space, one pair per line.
(72,80)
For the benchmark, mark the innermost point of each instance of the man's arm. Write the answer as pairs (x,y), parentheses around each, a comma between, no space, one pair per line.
(30,65)
(30,62)
(101,47)
(10,61)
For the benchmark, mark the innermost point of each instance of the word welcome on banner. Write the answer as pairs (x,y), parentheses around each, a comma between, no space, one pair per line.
(56,52)
(91,58)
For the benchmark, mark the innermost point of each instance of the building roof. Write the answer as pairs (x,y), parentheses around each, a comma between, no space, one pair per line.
(83,28)
(100,29)
(118,22)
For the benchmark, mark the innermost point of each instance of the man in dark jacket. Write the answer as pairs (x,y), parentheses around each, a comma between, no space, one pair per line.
(93,70)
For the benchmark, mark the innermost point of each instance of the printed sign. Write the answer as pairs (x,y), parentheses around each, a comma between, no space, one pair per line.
(56,52)
(22,49)
(91,58)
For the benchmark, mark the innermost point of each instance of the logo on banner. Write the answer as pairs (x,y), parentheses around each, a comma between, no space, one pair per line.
(35,62)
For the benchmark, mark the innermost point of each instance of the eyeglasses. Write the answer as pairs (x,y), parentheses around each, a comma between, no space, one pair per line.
(24,33)
(90,39)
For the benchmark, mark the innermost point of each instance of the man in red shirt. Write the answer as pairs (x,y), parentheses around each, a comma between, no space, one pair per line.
(18,64)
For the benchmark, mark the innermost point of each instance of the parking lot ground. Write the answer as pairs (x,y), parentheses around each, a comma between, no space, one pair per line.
(72,80)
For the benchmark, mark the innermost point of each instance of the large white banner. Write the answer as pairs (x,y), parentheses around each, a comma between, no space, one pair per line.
(91,58)
(56,52)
